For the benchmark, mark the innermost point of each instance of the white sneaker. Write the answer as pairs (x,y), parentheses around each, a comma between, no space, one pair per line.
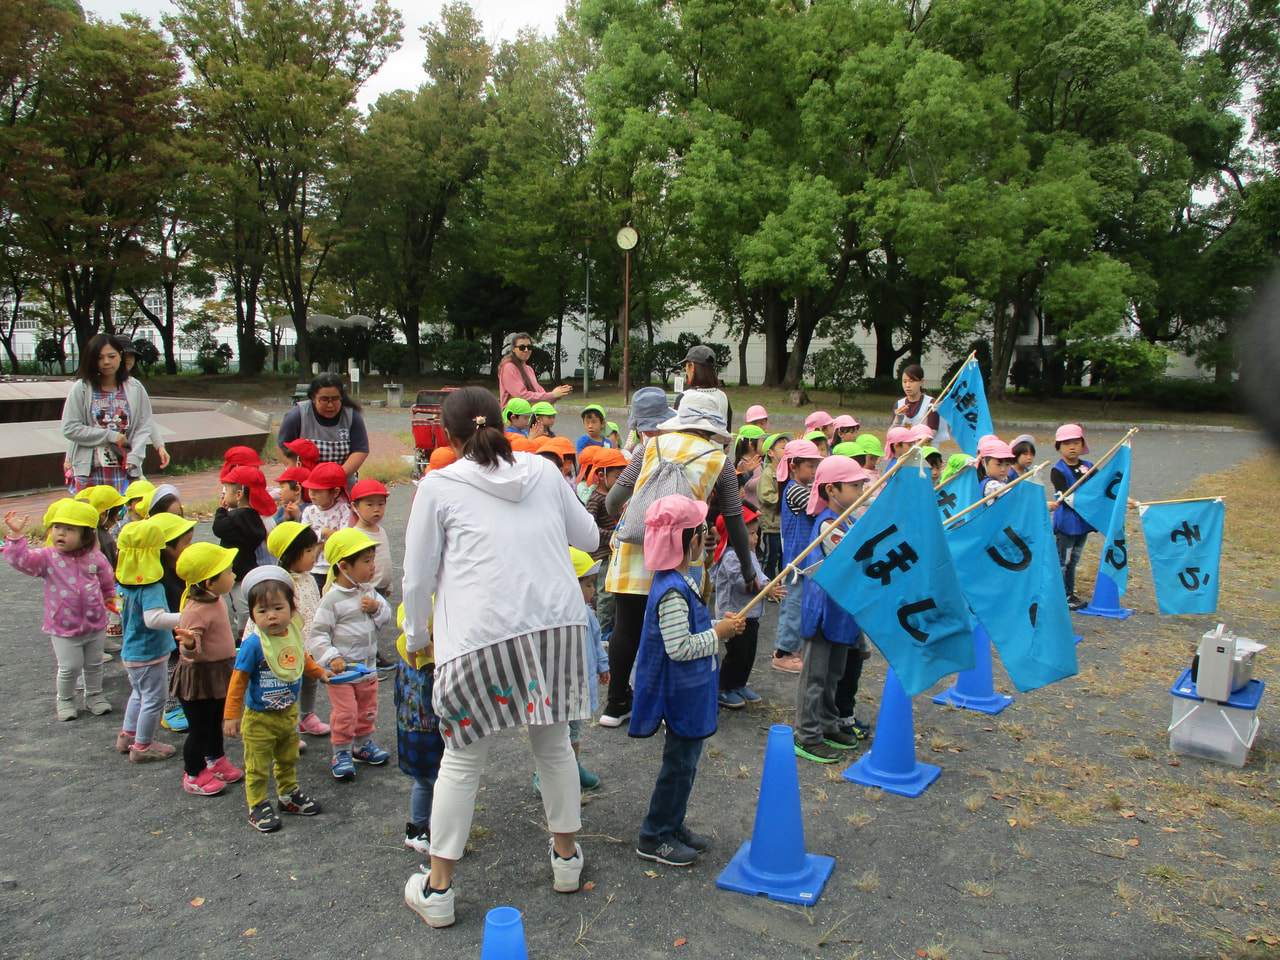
(436,908)
(567,872)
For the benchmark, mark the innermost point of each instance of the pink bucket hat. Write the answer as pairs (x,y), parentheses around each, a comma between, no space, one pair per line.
(984,443)
(996,448)
(817,420)
(756,412)
(1071,431)
(796,449)
(664,523)
(898,435)
(844,420)
(921,431)
(833,470)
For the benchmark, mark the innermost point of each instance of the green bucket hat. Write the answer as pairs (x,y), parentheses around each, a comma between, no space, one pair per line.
(517,407)
(750,432)
(594,408)
(544,409)
(849,448)
(869,443)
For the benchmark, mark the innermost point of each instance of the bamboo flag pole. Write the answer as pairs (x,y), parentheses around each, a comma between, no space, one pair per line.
(1157,503)
(1097,466)
(792,566)
(996,495)
(934,401)
(971,465)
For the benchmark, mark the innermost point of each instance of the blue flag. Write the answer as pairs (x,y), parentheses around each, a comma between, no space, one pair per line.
(1013,583)
(894,574)
(965,408)
(958,492)
(1102,500)
(1184,542)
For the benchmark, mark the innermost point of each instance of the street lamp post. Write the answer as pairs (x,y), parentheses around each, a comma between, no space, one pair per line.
(586,353)
(627,238)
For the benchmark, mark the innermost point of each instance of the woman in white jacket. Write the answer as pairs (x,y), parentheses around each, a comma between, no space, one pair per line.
(106,419)
(485,555)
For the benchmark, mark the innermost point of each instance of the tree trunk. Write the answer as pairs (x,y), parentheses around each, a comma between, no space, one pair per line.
(805,322)
(775,335)
(411,323)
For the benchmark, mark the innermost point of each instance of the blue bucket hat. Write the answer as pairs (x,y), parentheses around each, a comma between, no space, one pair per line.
(649,408)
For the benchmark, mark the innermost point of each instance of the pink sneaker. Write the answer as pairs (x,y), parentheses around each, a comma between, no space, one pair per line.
(155,750)
(313,725)
(224,770)
(204,785)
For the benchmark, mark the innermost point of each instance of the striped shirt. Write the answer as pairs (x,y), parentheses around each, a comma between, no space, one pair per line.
(342,629)
(673,624)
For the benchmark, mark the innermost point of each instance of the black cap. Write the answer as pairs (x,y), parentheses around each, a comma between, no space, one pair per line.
(700,353)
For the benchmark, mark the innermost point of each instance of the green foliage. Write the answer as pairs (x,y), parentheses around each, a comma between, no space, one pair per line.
(839,367)
(1115,363)
(148,355)
(462,359)
(543,360)
(1193,396)
(391,358)
(50,351)
(213,357)
(639,362)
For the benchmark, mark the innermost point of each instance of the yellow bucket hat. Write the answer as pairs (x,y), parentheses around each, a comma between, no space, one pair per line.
(346,543)
(582,562)
(419,658)
(285,532)
(139,560)
(201,562)
(170,524)
(73,513)
(102,497)
(139,490)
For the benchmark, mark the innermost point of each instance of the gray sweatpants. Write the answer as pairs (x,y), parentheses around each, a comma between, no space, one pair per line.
(76,655)
(824,664)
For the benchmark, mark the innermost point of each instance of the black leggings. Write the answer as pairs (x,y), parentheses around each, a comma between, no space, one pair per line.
(204,733)
(628,621)
(740,656)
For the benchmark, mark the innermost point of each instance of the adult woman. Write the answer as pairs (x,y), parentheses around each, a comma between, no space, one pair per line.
(696,439)
(701,375)
(129,357)
(106,419)
(916,406)
(517,379)
(332,421)
(489,538)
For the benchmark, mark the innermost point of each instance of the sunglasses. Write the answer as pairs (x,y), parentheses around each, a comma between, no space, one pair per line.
(523,346)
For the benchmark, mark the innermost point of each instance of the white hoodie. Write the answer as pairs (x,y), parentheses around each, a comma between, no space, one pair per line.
(492,545)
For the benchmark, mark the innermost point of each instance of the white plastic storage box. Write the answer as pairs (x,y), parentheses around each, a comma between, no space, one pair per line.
(1211,730)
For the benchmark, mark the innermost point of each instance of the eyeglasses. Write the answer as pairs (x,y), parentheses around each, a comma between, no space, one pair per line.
(524,346)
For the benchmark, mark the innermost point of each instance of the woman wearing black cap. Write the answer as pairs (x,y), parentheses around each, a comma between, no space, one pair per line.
(701,375)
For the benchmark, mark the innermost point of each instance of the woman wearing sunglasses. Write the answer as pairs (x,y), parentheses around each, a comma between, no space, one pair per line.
(517,379)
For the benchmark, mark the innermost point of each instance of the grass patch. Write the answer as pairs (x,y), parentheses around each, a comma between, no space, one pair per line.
(188,467)
(974,802)
(976,889)
(869,882)
(389,470)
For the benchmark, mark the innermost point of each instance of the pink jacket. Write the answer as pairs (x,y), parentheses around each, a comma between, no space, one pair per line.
(510,384)
(76,585)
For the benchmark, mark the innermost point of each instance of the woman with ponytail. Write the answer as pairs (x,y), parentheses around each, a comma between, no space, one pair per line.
(485,557)
(517,379)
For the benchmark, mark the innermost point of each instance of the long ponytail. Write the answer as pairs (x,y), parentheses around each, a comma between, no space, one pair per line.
(472,417)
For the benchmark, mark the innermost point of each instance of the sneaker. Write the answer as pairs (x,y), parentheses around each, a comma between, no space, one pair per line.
(263,818)
(615,713)
(855,726)
(97,704)
(788,663)
(840,740)
(370,753)
(672,852)
(1076,603)
(747,694)
(566,873)
(343,768)
(124,741)
(731,699)
(817,752)
(155,750)
(111,646)
(107,658)
(433,906)
(418,838)
(174,720)
(694,841)
(66,710)
(225,770)
(313,725)
(205,784)
(586,779)
(298,803)
(302,745)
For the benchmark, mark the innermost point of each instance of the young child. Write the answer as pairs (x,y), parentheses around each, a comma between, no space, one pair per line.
(165,499)
(758,416)
(819,439)
(747,459)
(147,639)
(586,478)
(597,662)
(1069,528)
(302,453)
(369,500)
(829,632)
(208,653)
(731,596)
(262,698)
(800,458)
(291,494)
(820,420)
(607,466)
(109,503)
(767,491)
(420,747)
(78,584)
(995,460)
(238,457)
(516,416)
(560,452)
(611,435)
(178,533)
(135,495)
(345,631)
(543,420)
(846,429)
(933,457)
(238,525)
(328,512)
(872,451)
(676,674)
(296,544)
(898,441)
(1024,454)
(593,422)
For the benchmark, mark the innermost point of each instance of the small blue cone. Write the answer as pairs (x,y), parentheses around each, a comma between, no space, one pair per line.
(974,689)
(773,862)
(503,935)
(1106,601)
(891,765)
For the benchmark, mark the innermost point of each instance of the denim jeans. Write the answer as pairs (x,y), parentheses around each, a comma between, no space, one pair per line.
(772,560)
(146,701)
(789,638)
(420,796)
(1070,547)
(670,796)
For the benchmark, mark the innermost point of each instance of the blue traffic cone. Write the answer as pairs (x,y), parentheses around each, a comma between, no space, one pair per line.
(974,689)
(1106,600)
(773,862)
(891,765)
(503,935)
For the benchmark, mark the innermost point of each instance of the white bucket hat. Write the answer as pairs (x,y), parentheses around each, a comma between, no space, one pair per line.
(699,411)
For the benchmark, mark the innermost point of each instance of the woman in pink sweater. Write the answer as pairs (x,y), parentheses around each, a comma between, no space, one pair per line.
(517,379)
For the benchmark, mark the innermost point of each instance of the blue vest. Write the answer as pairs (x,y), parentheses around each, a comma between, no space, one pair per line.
(818,609)
(1066,520)
(797,528)
(681,692)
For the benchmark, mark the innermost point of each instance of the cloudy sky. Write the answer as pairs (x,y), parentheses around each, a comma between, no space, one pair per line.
(502,19)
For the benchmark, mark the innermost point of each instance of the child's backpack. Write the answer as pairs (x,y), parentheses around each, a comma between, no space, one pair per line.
(668,478)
